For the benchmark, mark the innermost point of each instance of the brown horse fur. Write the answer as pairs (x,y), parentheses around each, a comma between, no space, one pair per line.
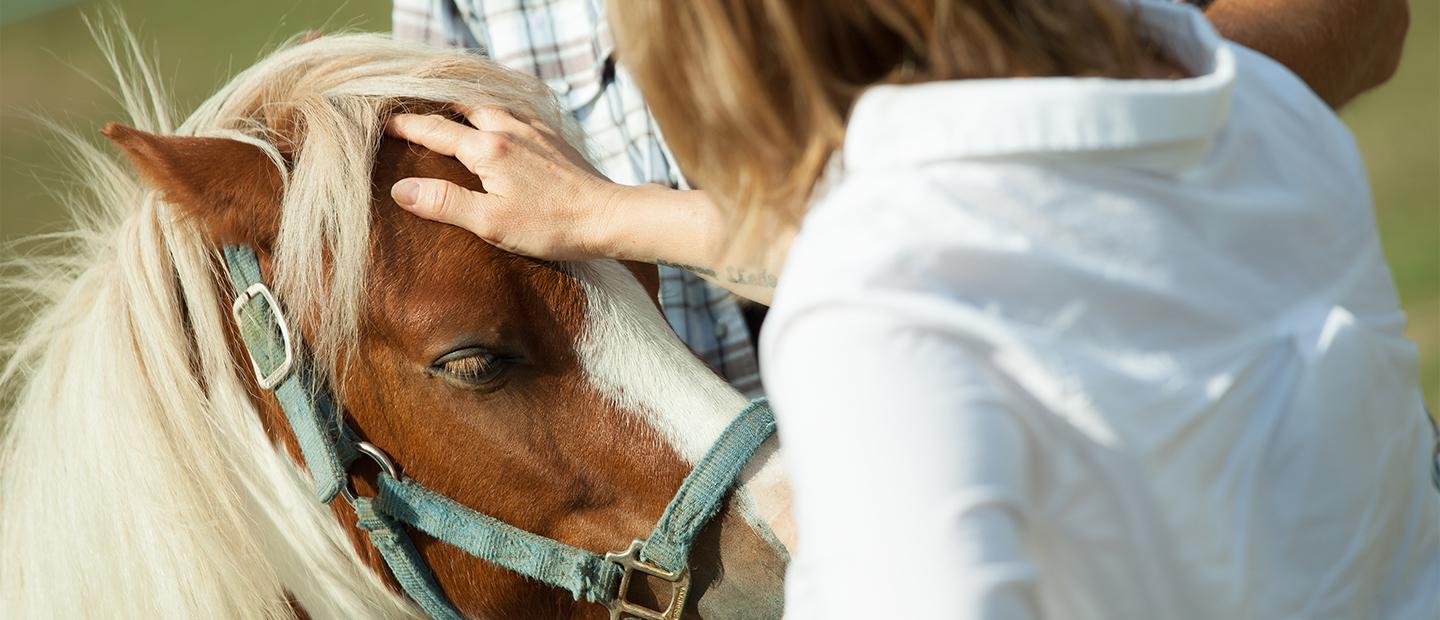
(538,447)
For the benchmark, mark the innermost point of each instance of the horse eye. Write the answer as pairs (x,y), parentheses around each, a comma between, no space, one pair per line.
(472,365)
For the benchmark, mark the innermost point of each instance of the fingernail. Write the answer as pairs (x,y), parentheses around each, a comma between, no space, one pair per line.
(406,192)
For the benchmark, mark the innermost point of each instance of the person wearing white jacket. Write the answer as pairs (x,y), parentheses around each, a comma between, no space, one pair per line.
(1086,314)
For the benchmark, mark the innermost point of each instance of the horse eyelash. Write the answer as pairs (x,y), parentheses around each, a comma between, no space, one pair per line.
(470,367)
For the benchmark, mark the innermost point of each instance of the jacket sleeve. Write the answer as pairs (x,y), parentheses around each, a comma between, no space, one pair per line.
(909,474)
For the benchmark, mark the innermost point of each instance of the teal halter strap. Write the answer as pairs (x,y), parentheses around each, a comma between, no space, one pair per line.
(274,352)
(586,575)
(703,491)
(329,446)
(404,561)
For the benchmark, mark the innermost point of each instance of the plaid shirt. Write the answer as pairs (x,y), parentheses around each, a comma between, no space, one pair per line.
(567,44)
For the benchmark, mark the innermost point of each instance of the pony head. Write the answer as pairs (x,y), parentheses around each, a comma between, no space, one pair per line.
(143,471)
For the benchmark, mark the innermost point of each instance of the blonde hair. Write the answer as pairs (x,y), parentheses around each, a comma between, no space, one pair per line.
(754,95)
(136,479)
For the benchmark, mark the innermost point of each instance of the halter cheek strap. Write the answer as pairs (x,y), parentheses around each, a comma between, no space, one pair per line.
(274,352)
(328,446)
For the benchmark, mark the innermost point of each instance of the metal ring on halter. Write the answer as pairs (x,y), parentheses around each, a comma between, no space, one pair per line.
(387,466)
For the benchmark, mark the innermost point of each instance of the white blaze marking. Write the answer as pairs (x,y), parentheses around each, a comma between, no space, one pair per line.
(632,356)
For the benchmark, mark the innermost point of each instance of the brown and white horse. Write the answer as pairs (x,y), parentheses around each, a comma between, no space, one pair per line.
(143,473)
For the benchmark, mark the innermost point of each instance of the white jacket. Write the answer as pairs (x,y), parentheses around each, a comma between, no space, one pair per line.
(1092,348)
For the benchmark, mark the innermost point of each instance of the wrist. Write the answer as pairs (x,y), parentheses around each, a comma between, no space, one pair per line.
(609,231)
(648,223)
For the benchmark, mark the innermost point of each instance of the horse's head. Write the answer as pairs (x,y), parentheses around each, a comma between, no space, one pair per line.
(550,396)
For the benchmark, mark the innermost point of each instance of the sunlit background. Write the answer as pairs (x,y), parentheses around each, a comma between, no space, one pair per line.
(50,66)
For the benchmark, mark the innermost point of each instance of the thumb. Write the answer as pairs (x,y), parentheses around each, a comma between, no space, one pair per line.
(442,201)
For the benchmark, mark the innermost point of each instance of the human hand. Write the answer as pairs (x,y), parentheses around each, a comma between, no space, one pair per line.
(540,199)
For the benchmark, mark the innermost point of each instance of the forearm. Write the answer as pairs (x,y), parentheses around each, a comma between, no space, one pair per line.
(1341,48)
(687,230)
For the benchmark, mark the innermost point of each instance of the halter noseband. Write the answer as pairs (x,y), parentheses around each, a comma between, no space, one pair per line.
(329,446)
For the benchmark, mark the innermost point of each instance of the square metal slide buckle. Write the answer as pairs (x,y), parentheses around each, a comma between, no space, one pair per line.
(268,380)
(622,607)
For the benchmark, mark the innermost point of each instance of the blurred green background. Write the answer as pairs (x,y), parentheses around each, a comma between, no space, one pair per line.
(47,62)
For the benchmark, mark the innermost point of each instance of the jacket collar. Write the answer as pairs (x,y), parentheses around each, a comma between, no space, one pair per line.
(949,120)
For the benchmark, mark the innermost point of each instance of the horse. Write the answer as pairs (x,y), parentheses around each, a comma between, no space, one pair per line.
(144,471)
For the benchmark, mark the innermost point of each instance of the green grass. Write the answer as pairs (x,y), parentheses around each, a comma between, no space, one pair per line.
(1398,129)
(44,61)
(48,62)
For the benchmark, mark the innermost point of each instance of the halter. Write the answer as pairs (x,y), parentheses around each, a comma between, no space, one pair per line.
(329,446)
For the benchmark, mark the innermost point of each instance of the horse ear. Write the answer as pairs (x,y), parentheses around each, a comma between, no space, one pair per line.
(231,189)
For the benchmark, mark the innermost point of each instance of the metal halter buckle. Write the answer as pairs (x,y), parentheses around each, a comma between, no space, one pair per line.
(268,380)
(622,607)
(387,466)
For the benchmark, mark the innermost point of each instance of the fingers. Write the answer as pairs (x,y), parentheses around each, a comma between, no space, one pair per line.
(495,118)
(436,133)
(476,149)
(442,201)
(491,118)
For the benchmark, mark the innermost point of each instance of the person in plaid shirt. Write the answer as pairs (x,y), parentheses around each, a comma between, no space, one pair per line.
(567,44)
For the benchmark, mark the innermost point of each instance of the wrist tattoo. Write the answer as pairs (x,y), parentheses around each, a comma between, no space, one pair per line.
(750,277)
(733,275)
(690,268)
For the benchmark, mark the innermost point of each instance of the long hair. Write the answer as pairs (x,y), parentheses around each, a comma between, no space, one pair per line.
(136,479)
(754,95)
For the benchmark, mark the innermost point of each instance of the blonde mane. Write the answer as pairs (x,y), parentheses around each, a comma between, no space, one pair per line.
(135,477)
